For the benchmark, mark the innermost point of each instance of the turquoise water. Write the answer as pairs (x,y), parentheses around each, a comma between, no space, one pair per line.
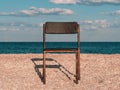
(37,47)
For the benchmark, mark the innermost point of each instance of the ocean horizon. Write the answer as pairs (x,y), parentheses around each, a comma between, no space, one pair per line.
(37,47)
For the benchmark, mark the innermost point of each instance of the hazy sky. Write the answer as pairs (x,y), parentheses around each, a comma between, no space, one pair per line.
(21,20)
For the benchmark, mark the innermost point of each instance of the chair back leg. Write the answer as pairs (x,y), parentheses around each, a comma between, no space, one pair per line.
(44,67)
(77,67)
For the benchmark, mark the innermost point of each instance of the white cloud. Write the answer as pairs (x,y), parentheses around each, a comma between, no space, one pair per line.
(117,12)
(94,24)
(9,28)
(65,1)
(55,11)
(18,26)
(87,2)
(115,24)
(33,11)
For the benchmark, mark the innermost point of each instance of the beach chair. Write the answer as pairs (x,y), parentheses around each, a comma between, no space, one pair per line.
(61,28)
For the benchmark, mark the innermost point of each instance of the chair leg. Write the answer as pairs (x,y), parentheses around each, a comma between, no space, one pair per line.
(44,67)
(77,67)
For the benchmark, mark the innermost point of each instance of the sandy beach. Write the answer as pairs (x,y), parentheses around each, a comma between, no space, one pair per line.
(24,72)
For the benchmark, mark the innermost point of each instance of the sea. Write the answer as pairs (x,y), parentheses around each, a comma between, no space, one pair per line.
(37,47)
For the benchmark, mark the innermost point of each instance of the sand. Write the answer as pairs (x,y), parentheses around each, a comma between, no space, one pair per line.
(24,72)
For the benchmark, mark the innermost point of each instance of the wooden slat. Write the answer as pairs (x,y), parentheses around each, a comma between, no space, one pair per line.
(60,50)
(61,27)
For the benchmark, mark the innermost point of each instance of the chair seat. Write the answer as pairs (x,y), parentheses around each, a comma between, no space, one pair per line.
(61,50)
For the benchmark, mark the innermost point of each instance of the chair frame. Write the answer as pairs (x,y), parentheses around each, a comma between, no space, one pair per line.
(76,50)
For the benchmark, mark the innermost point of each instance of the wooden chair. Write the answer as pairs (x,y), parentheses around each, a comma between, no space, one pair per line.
(61,28)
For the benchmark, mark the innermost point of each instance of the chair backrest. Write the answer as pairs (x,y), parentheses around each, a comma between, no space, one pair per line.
(61,28)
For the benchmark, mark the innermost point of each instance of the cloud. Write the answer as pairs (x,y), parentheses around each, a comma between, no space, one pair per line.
(117,12)
(115,24)
(86,2)
(94,24)
(33,11)
(9,29)
(65,1)
(18,26)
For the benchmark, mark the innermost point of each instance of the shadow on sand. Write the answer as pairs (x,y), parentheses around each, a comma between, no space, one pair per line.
(58,66)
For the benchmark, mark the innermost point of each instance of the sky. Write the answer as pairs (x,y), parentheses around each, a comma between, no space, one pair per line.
(22,20)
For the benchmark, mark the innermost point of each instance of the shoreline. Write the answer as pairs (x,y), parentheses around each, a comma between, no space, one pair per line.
(60,53)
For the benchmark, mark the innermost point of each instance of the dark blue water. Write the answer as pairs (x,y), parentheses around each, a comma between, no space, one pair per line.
(37,47)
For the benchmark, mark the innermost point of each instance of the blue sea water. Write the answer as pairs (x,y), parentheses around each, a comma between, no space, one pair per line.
(37,47)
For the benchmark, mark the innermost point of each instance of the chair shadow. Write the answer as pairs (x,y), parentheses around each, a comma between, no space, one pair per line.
(58,66)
